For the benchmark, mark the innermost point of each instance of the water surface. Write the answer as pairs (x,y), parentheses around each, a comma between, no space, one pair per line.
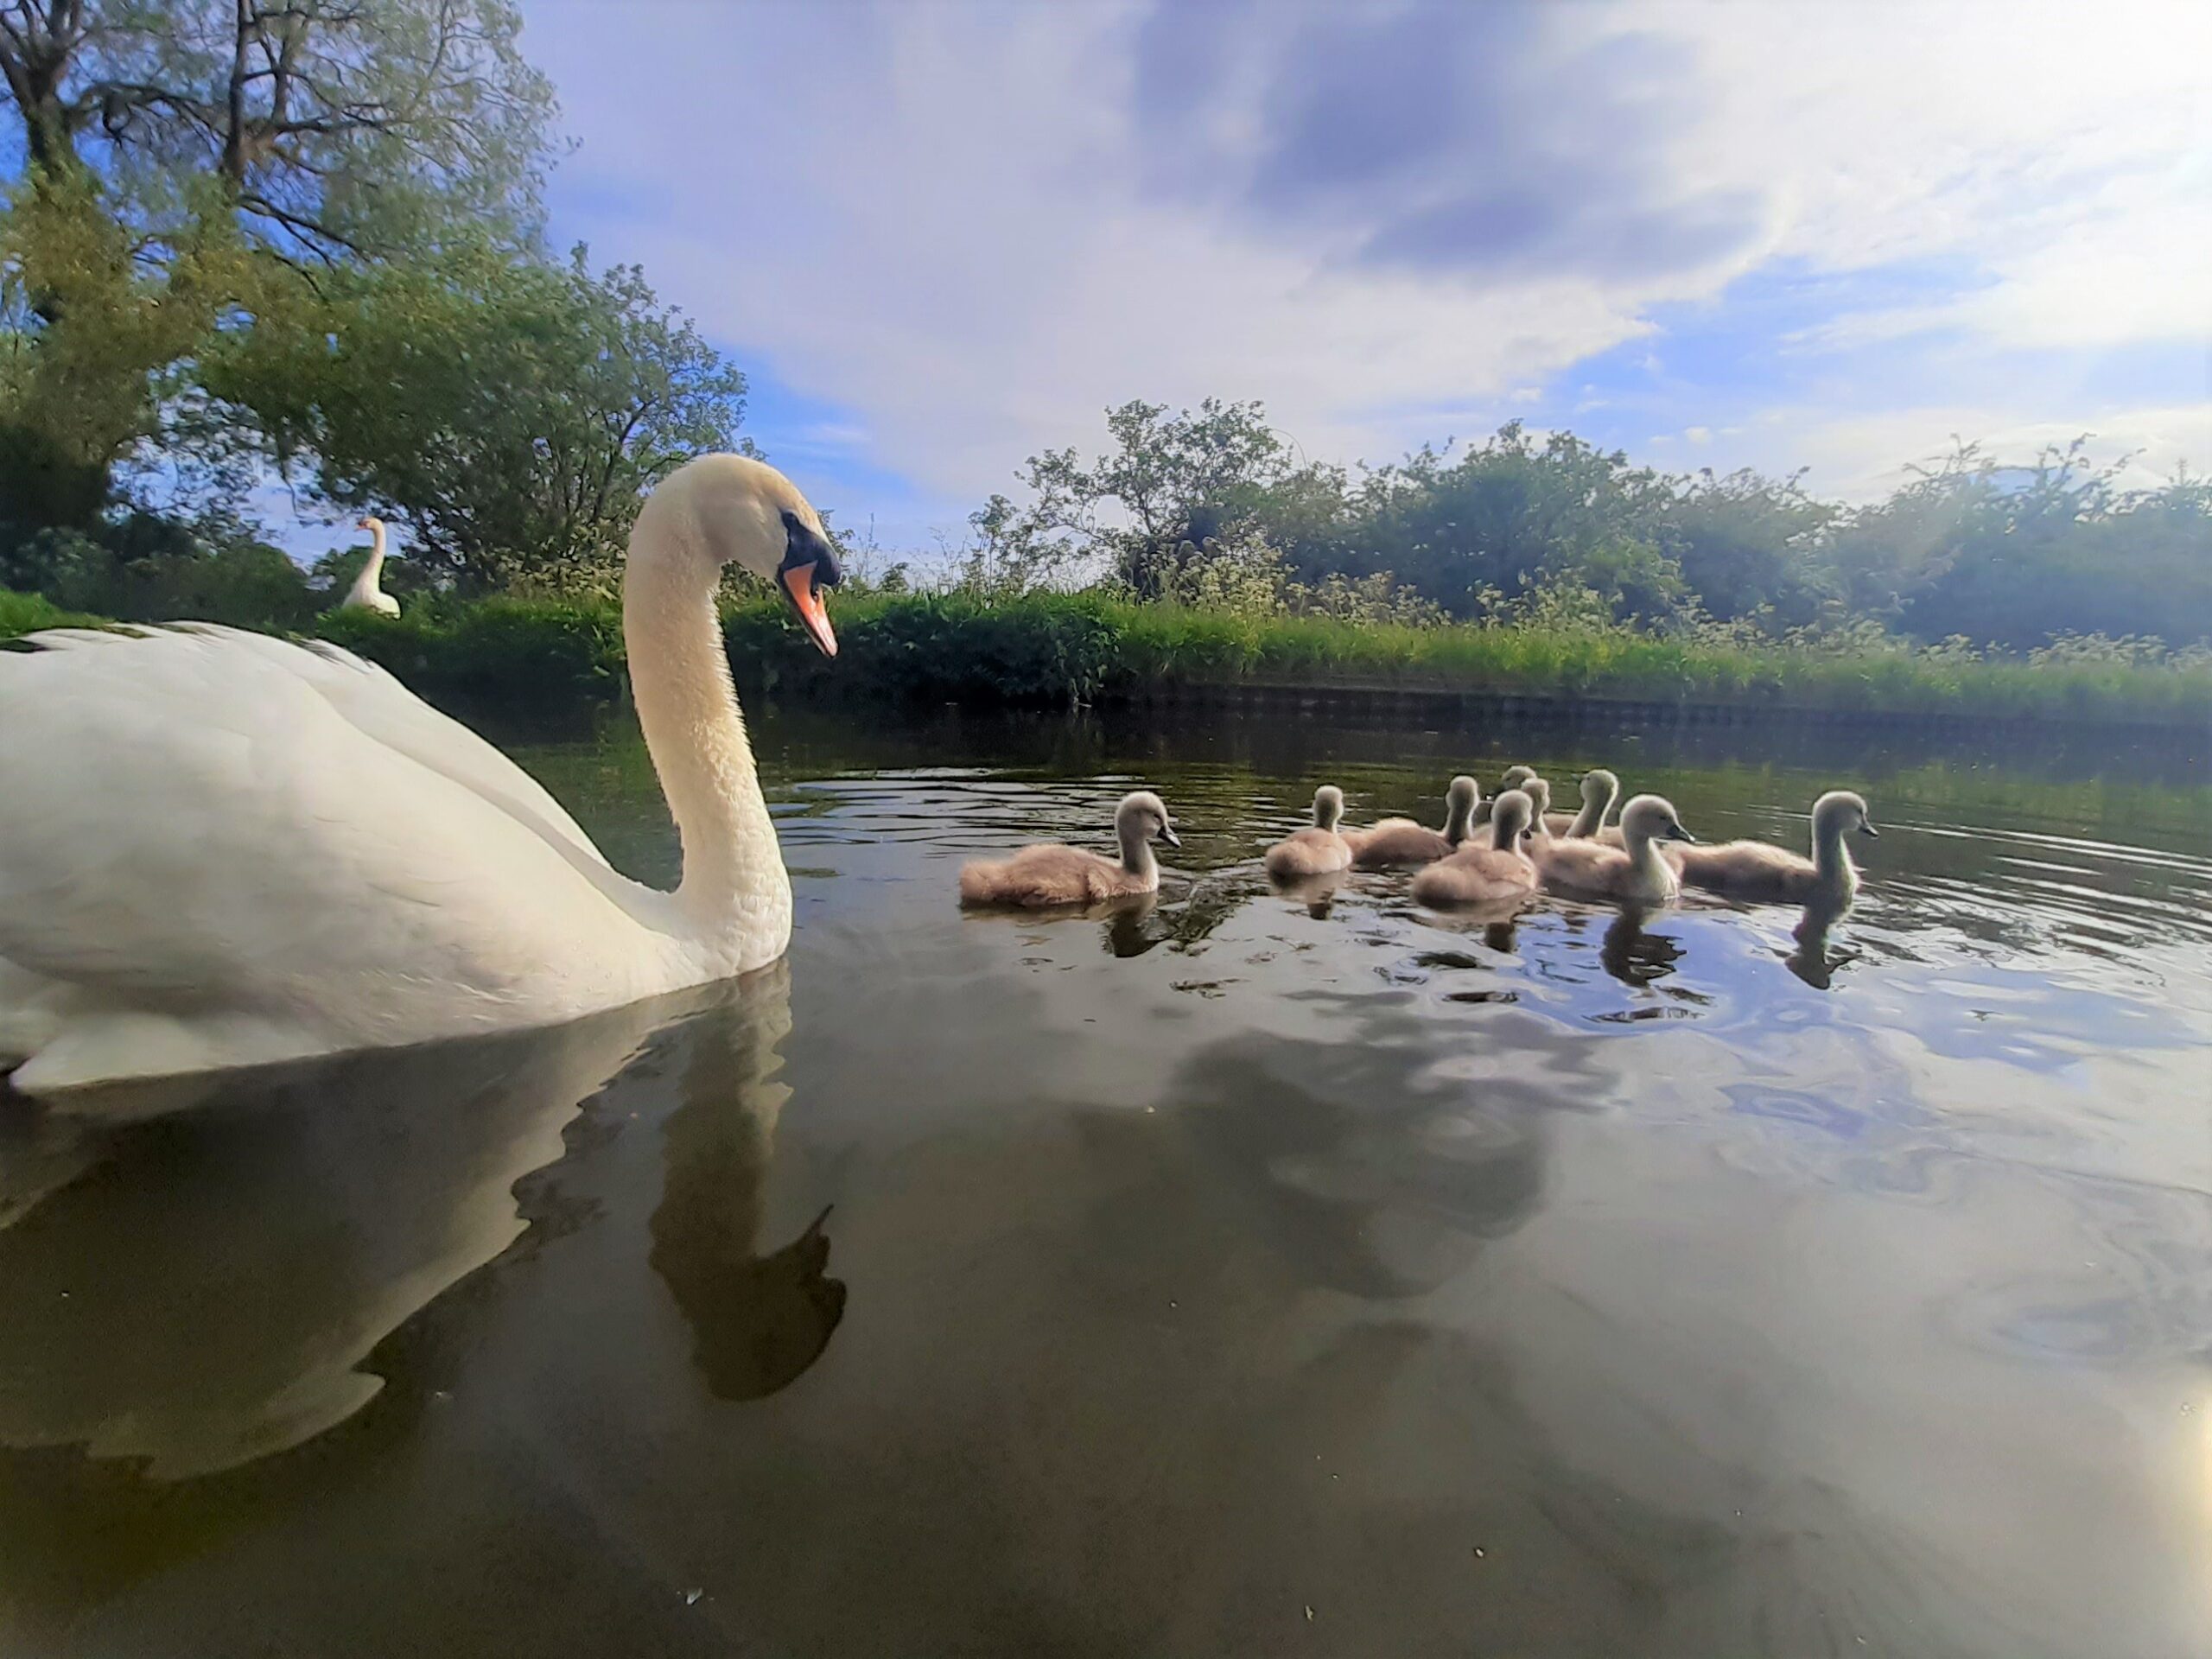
(1247,1274)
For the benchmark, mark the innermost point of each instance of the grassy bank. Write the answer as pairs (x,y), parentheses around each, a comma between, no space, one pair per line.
(1060,649)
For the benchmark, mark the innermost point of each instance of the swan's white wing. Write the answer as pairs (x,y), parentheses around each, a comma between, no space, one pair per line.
(383,709)
(188,820)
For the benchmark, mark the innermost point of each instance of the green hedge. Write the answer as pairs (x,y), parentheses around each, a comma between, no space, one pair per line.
(1060,649)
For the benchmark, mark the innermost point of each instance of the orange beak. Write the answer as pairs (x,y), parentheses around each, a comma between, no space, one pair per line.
(806,599)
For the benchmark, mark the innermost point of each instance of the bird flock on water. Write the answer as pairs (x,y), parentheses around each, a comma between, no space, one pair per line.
(1490,854)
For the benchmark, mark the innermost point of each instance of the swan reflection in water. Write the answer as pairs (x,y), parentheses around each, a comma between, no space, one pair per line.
(1812,961)
(199,1290)
(1634,957)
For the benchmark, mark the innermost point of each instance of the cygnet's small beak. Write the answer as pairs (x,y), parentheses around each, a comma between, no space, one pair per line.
(1167,834)
(797,583)
(1866,827)
(1680,834)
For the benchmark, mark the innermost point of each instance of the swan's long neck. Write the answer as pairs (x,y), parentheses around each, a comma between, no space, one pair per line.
(1136,849)
(734,877)
(365,585)
(1830,857)
(1458,811)
(1643,858)
(1591,818)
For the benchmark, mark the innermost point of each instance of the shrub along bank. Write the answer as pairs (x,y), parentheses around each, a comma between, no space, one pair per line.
(537,656)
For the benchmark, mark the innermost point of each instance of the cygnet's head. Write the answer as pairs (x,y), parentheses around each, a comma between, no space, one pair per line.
(1511,815)
(1598,784)
(1328,806)
(1652,817)
(1514,777)
(1539,796)
(1143,815)
(734,510)
(1462,794)
(1839,811)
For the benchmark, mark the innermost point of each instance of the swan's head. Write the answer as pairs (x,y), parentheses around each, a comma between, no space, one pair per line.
(1652,817)
(1328,806)
(369,522)
(1511,815)
(1143,817)
(1839,811)
(1514,777)
(1599,785)
(734,510)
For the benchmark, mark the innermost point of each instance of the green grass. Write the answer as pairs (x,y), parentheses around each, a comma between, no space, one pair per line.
(1059,649)
(22,614)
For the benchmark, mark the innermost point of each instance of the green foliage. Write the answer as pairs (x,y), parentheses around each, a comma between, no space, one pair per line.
(23,613)
(2016,555)
(336,128)
(512,414)
(149,570)
(1169,482)
(1514,510)
(1035,648)
(1747,545)
(88,328)
(1208,509)
(520,655)
(540,656)
(189,164)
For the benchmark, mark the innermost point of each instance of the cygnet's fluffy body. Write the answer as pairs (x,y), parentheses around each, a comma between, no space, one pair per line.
(1050,876)
(1752,870)
(1484,874)
(1632,873)
(1398,843)
(1318,849)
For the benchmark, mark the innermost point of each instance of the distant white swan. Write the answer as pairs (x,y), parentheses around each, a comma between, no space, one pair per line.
(364,594)
(219,848)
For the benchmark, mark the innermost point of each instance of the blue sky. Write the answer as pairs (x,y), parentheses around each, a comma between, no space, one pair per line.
(940,236)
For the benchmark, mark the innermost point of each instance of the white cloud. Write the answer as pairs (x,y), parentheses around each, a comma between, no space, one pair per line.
(937,217)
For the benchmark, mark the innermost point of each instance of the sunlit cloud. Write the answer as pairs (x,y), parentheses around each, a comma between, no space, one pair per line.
(964,231)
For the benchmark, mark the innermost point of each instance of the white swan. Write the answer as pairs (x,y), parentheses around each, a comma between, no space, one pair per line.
(364,594)
(218,848)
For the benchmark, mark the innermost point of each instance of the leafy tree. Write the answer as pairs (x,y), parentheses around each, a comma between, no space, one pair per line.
(1748,544)
(148,569)
(511,414)
(2015,556)
(335,127)
(87,329)
(1516,511)
(1169,479)
(187,160)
